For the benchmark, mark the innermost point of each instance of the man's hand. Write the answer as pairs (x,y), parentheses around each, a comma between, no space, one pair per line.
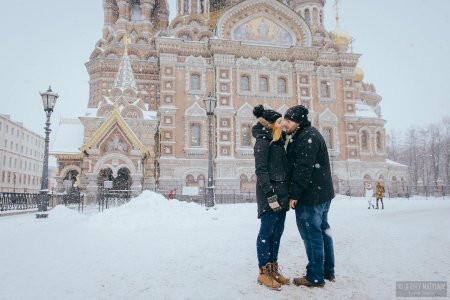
(292,203)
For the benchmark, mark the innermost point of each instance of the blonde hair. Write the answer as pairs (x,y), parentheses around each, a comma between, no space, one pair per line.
(277,132)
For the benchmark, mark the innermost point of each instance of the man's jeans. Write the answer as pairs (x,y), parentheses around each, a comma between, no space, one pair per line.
(270,232)
(312,223)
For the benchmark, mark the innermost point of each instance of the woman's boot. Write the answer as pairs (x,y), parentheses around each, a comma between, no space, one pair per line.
(277,275)
(265,277)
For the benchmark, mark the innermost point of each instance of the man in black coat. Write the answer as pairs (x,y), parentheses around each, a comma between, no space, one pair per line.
(310,193)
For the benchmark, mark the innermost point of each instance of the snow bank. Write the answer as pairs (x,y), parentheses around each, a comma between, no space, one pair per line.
(149,210)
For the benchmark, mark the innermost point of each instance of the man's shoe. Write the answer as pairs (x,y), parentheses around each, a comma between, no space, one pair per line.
(303,281)
(331,278)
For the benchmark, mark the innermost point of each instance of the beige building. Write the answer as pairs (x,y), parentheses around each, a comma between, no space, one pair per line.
(146,124)
(21,157)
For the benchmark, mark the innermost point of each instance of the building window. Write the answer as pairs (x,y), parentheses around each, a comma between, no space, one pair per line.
(324,89)
(263,84)
(195,134)
(190,180)
(379,142)
(307,16)
(364,140)
(328,136)
(195,82)
(246,135)
(245,83)
(282,85)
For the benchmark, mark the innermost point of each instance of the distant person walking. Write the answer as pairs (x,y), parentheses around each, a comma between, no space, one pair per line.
(379,194)
(271,193)
(369,195)
(171,195)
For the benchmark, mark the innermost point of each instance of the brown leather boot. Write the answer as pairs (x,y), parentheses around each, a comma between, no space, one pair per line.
(277,275)
(265,277)
(303,281)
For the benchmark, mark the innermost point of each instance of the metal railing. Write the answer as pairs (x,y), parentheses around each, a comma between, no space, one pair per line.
(107,198)
(18,201)
(222,196)
(72,199)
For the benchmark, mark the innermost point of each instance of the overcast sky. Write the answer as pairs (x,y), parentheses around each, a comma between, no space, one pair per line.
(405,46)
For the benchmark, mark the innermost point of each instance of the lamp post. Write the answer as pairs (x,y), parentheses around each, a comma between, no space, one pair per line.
(210,104)
(49,100)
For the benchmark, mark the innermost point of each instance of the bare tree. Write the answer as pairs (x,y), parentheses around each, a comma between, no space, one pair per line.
(446,142)
(411,154)
(426,150)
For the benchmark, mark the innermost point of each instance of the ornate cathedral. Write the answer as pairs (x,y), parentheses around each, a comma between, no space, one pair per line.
(146,125)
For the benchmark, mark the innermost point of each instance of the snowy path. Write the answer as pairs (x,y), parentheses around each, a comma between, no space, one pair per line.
(155,249)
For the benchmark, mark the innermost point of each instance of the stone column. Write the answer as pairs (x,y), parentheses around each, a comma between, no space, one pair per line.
(59,184)
(136,185)
(92,187)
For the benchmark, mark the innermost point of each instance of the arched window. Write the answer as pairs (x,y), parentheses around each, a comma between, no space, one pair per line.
(195,134)
(186,6)
(324,89)
(202,6)
(246,135)
(263,84)
(245,83)
(190,180)
(282,85)
(379,142)
(195,82)
(136,10)
(328,137)
(201,180)
(364,140)
(307,16)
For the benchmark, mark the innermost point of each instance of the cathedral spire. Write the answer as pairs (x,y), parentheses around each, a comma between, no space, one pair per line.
(336,6)
(125,77)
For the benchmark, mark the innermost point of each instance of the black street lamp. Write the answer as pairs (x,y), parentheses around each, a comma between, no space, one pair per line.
(210,104)
(49,100)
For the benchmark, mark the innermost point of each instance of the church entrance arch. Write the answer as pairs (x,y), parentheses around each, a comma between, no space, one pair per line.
(122,181)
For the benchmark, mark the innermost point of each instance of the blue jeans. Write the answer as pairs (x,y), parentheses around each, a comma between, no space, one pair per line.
(312,223)
(270,232)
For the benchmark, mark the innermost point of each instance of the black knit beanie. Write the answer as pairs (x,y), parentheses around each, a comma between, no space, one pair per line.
(267,114)
(297,113)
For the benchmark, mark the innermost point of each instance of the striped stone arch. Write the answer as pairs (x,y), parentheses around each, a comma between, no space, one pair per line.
(69,168)
(125,163)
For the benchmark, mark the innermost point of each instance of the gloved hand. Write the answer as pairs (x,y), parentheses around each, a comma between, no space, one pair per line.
(273,203)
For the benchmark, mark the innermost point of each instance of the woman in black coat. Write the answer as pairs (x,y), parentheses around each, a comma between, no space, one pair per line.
(271,193)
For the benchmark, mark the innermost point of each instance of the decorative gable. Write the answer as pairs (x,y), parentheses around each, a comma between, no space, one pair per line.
(108,128)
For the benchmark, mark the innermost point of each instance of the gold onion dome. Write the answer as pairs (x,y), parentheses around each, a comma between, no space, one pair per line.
(358,75)
(341,37)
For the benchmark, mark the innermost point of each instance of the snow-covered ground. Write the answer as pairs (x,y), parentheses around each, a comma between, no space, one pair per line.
(153,248)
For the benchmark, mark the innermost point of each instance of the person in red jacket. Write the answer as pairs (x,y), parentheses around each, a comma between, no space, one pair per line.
(171,195)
